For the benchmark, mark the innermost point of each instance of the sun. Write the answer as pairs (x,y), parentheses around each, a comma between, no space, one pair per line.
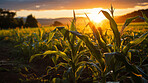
(95,17)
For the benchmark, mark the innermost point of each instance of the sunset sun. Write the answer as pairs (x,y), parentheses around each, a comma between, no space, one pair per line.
(95,17)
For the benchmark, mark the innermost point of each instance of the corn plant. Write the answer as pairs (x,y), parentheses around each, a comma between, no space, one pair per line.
(107,58)
(120,55)
(34,43)
(71,55)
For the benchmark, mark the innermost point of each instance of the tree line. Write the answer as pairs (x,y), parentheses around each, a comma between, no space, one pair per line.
(7,20)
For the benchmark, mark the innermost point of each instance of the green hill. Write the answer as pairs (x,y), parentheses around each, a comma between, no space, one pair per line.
(121,19)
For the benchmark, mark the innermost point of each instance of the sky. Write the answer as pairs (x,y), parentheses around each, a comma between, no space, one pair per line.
(63,8)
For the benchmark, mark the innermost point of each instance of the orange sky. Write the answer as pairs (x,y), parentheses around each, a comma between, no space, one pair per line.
(68,13)
(63,8)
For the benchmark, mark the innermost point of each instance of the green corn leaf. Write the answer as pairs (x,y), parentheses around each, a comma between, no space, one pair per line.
(78,45)
(108,58)
(114,28)
(97,36)
(73,23)
(94,68)
(134,43)
(142,73)
(40,33)
(55,59)
(145,18)
(129,54)
(51,34)
(101,33)
(79,64)
(76,49)
(96,53)
(65,65)
(127,22)
(136,76)
(79,71)
(64,32)
(37,37)
(73,28)
(61,54)
(81,54)
(93,65)
(33,56)
(56,80)
(71,38)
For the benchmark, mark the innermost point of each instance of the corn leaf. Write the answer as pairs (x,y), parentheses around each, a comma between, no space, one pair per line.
(33,56)
(61,54)
(134,43)
(142,73)
(93,65)
(55,59)
(101,34)
(40,33)
(145,18)
(96,53)
(51,34)
(127,22)
(56,80)
(73,23)
(136,76)
(37,37)
(79,71)
(64,32)
(114,28)
(73,28)
(97,36)
(65,65)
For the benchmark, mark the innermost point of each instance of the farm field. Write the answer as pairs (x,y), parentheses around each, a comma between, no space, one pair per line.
(47,54)
(73,41)
(98,48)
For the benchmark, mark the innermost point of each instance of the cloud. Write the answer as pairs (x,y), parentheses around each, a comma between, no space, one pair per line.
(68,4)
(143,4)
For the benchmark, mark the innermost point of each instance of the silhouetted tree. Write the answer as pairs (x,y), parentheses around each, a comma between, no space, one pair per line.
(20,22)
(7,19)
(31,21)
(57,23)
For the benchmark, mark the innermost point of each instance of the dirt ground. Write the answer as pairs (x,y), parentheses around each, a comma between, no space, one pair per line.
(15,70)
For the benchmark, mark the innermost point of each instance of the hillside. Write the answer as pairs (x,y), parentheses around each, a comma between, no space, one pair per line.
(65,21)
(121,19)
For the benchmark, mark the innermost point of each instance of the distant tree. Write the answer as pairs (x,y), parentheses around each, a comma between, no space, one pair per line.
(57,23)
(7,19)
(31,21)
(20,22)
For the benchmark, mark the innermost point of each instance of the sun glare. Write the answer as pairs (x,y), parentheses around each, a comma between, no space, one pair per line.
(95,17)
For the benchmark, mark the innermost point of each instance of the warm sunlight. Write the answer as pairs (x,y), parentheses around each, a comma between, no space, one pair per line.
(94,16)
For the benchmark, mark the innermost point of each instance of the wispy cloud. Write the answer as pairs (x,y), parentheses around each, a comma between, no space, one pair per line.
(68,4)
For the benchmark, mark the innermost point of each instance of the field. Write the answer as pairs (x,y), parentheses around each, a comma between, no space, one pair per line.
(75,53)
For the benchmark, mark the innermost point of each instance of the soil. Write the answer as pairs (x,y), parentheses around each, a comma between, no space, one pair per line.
(13,69)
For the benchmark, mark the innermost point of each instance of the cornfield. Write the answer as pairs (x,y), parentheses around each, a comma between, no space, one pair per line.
(117,54)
